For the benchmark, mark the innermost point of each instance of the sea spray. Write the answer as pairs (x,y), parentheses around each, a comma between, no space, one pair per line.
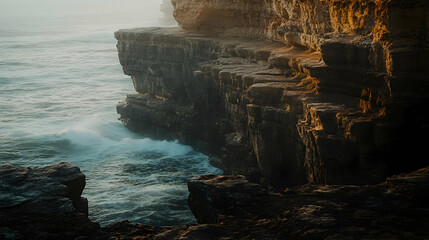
(60,80)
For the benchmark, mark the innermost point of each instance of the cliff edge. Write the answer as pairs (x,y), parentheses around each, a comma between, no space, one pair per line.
(286,92)
(311,107)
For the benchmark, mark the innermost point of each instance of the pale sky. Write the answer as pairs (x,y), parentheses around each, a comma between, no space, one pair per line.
(135,12)
(75,7)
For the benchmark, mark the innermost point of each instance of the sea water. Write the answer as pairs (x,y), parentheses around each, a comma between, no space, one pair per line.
(60,80)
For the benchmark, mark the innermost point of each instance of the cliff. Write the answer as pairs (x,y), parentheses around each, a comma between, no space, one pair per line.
(309,106)
(286,92)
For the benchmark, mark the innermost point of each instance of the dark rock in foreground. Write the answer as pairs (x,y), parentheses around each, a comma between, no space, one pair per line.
(396,209)
(43,203)
(230,207)
(46,203)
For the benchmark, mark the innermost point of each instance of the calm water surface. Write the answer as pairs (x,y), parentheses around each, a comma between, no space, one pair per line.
(60,80)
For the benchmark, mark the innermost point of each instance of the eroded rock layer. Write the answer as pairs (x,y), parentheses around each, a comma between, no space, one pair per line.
(266,109)
(379,28)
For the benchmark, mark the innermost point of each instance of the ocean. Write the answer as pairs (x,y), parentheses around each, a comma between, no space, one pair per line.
(60,81)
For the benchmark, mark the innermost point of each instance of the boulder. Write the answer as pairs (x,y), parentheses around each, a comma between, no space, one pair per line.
(43,203)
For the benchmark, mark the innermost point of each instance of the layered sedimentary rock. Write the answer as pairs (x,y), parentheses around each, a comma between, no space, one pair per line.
(287,92)
(381,28)
(43,203)
(283,92)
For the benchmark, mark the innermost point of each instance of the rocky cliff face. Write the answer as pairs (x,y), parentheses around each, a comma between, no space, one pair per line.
(287,92)
(371,27)
(284,92)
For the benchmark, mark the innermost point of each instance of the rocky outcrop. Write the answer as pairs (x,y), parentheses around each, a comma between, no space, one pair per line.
(395,209)
(46,203)
(43,203)
(264,109)
(230,207)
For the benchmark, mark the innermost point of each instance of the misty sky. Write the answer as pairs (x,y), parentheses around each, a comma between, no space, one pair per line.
(74,7)
(136,13)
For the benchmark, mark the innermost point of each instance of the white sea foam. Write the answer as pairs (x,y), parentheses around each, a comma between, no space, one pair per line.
(60,80)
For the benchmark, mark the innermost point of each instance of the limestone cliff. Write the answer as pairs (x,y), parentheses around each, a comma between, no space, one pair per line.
(286,91)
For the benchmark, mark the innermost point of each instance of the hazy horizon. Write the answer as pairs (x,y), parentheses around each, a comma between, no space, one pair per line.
(74,10)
